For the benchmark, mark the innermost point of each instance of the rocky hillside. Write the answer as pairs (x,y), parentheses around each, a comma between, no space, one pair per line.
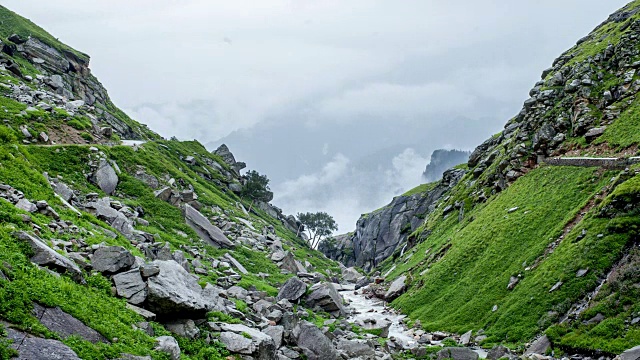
(522,247)
(117,244)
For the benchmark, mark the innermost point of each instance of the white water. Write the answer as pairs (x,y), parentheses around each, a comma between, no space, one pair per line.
(363,308)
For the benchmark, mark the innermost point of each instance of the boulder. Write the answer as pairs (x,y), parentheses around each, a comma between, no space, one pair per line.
(236,264)
(314,344)
(396,288)
(351,275)
(457,353)
(26,205)
(631,354)
(30,347)
(244,340)
(112,259)
(465,339)
(63,190)
(131,286)
(376,324)
(540,346)
(207,232)
(292,290)
(173,292)
(289,263)
(65,325)
(168,345)
(276,333)
(498,352)
(45,256)
(326,297)
(183,327)
(356,348)
(105,177)
(594,133)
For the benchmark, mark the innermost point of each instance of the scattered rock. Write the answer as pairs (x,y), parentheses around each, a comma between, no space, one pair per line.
(396,288)
(45,256)
(314,344)
(105,177)
(65,325)
(130,286)
(173,292)
(112,259)
(30,347)
(540,346)
(168,345)
(457,353)
(326,297)
(208,232)
(292,290)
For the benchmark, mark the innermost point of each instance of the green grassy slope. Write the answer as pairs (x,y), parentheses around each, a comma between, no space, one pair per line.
(470,263)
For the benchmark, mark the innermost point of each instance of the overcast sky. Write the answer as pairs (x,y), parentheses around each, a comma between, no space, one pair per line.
(339,102)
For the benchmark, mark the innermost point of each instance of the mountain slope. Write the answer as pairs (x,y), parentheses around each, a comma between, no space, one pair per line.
(521,247)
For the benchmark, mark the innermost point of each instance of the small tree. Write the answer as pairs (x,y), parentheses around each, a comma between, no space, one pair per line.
(256,188)
(318,226)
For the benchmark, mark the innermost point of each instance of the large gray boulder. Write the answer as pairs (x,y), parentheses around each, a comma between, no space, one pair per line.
(30,347)
(326,297)
(207,232)
(540,346)
(457,353)
(65,325)
(131,286)
(351,275)
(314,344)
(244,340)
(396,288)
(631,354)
(356,348)
(276,333)
(292,290)
(105,177)
(112,259)
(174,292)
(183,327)
(45,256)
(375,323)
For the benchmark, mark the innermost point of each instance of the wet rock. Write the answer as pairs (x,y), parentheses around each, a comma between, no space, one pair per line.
(292,290)
(112,259)
(351,275)
(498,352)
(65,325)
(208,232)
(326,297)
(168,345)
(355,348)
(457,353)
(376,324)
(131,286)
(314,344)
(540,346)
(396,288)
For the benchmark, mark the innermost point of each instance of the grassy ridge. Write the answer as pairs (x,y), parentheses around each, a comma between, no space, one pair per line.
(470,263)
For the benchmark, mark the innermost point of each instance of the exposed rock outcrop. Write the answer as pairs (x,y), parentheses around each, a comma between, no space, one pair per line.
(379,234)
(441,160)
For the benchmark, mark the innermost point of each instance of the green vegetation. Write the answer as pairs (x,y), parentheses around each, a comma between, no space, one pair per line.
(318,226)
(421,189)
(12,23)
(625,131)
(468,262)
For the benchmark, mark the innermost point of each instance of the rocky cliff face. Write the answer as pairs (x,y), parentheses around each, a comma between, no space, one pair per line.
(379,234)
(441,160)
